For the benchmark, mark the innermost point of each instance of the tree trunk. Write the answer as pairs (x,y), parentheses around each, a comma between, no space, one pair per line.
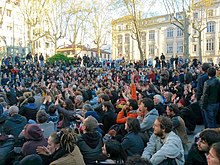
(186,38)
(138,40)
(200,46)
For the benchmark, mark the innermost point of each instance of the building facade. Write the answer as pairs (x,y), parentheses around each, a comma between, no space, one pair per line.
(159,35)
(14,33)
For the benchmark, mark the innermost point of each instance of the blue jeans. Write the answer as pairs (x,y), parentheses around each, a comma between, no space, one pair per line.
(210,114)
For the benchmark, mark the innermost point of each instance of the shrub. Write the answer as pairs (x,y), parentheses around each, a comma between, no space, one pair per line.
(59,57)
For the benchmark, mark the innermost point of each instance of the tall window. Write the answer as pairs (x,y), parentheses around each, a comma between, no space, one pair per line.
(211,27)
(210,44)
(127,39)
(169,33)
(0,10)
(179,32)
(179,47)
(194,48)
(151,49)
(119,39)
(170,48)
(210,13)
(8,13)
(152,35)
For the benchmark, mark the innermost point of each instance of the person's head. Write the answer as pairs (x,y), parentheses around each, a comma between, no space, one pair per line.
(87,107)
(53,142)
(103,97)
(78,99)
(146,105)
(213,157)
(181,103)
(172,110)
(31,100)
(158,99)
(168,96)
(32,159)
(132,104)
(132,124)
(137,160)
(33,132)
(90,124)
(68,139)
(41,116)
(162,126)
(206,139)
(114,150)
(106,105)
(211,72)
(13,110)
(68,104)
(52,109)
(205,67)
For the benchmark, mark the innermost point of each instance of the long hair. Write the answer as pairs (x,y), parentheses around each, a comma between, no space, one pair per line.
(68,139)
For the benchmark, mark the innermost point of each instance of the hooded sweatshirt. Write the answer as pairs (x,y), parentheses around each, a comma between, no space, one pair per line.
(90,145)
(14,125)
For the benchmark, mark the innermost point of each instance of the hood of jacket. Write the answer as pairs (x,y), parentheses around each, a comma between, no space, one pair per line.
(17,119)
(92,139)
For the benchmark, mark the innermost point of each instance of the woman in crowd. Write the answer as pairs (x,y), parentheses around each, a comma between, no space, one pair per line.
(133,143)
(61,149)
(213,157)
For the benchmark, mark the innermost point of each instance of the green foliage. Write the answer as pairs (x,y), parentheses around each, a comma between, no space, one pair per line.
(60,57)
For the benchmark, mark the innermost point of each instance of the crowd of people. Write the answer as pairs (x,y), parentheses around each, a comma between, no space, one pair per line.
(132,113)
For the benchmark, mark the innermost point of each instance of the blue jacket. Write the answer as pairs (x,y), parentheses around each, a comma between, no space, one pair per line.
(133,144)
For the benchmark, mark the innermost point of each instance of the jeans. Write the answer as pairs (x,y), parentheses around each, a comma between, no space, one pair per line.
(210,114)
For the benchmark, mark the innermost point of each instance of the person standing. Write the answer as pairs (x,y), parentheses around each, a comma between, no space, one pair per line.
(210,98)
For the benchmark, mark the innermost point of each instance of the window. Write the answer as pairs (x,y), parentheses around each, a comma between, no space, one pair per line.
(151,49)
(196,15)
(170,48)
(9,27)
(119,39)
(170,33)
(8,13)
(194,48)
(143,36)
(209,44)
(211,27)
(179,32)
(127,39)
(152,35)
(179,47)
(119,28)
(210,13)
(0,10)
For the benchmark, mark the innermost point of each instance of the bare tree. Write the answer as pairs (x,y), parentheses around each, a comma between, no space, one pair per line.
(58,17)
(199,22)
(32,12)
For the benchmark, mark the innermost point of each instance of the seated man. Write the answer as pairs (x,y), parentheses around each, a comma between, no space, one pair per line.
(198,151)
(147,115)
(15,123)
(128,110)
(90,142)
(164,145)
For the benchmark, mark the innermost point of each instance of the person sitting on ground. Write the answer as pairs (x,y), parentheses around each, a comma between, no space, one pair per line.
(128,110)
(158,104)
(90,142)
(178,125)
(213,157)
(164,145)
(34,136)
(61,149)
(198,151)
(15,123)
(133,143)
(47,127)
(147,115)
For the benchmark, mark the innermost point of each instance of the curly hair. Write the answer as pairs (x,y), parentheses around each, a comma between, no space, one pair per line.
(68,139)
